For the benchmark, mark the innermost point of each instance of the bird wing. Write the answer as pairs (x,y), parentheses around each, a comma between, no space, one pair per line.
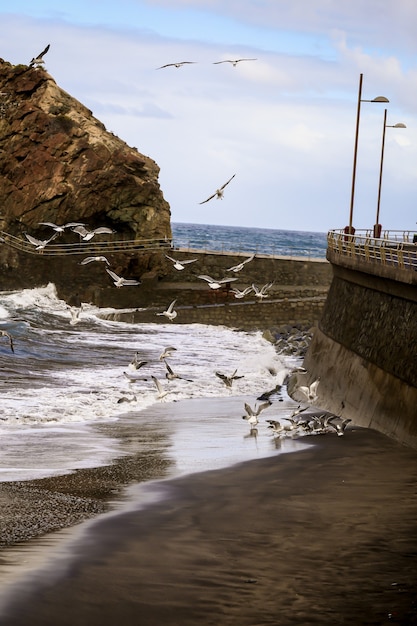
(250,258)
(80,230)
(227,280)
(169,369)
(223,186)
(314,385)
(188,261)
(157,384)
(43,52)
(226,61)
(171,306)
(112,274)
(51,224)
(263,406)
(87,259)
(36,242)
(221,376)
(171,259)
(210,198)
(102,229)
(209,279)
(249,410)
(9,337)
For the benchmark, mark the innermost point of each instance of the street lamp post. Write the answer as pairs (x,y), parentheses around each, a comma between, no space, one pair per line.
(349,229)
(377,226)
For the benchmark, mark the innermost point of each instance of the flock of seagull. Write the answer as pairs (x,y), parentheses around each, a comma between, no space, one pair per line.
(300,422)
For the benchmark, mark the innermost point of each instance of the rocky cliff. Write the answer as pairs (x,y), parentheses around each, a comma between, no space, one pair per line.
(59,164)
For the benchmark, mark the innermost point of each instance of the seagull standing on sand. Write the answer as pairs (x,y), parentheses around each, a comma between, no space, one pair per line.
(228,380)
(180,265)
(180,64)
(234,62)
(240,266)
(38,60)
(4,333)
(216,284)
(219,192)
(170,313)
(122,282)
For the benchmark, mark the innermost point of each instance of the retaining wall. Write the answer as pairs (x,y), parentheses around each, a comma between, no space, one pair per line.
(364,352)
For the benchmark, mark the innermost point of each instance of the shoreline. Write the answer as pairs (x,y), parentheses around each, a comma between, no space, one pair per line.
(324,535)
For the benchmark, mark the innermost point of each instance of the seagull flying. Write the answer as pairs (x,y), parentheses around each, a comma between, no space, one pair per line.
(161,391)
(311,391)
(170,313)
(171,375)
(40,244)
(60,229)
(90,259)
(241,294)
(180,265)
(86,235)
(122,282)
(38,60)
(219,192)
(240,266)
(339,426)
(216,284)
(176,64)
(75,314)
(4,333)
(261,293)
(234,62)
(253,413)
(136,363)
(168,352)
(228,380)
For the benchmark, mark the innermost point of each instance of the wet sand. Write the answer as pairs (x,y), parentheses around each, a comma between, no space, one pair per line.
(326,535)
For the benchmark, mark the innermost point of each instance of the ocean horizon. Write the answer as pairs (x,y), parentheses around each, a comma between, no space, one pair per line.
(244,239)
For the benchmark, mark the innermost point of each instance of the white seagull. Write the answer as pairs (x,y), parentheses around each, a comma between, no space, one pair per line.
(75,314)
(241,294)
(38,243)
(310,391)
(90,259)
(168,352)
(219,192)
(228,380)
(136,363)
(171,375)
(60,229)
(261,293)
(122,282)
(240,266)
(234,62)
(180,265)
(86,235)
(340,426)
(38,60)
(253,413)
(161,391)
(216,284)
(176,64)
(170,313)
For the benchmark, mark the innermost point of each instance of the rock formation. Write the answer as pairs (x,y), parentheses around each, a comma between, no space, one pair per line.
(59,164)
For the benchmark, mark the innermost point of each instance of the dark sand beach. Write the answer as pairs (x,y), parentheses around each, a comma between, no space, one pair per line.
(326,535)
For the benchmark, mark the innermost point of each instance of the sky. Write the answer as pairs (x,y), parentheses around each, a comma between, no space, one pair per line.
(283,124)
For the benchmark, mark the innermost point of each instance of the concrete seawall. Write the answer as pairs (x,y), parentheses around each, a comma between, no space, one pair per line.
(364,351)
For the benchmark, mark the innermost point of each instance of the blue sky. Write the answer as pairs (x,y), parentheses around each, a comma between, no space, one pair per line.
(284,124)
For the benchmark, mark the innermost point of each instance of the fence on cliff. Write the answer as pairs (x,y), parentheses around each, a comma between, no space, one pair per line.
(394,248)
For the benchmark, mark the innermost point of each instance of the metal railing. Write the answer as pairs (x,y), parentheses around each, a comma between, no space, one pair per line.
(393,248)
(83,247)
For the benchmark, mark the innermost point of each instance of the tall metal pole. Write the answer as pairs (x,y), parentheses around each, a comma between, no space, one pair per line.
(380,170)
(355,154)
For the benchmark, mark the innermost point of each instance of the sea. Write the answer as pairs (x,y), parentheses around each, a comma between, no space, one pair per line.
(64,381)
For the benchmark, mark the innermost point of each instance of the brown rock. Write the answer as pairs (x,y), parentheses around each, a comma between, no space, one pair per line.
(59,164)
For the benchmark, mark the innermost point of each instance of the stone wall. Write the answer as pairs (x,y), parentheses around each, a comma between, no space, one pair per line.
(364,353)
